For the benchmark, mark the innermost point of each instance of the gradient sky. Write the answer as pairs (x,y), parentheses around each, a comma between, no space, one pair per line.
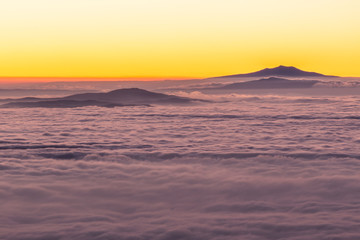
(177,38)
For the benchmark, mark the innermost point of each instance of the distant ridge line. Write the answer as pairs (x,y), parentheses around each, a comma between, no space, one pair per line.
(280,71)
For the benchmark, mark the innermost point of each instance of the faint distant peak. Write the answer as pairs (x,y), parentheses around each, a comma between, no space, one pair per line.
(280,71)
(273,79)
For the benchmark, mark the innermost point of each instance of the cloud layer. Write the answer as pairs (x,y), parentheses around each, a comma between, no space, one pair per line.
(265,168)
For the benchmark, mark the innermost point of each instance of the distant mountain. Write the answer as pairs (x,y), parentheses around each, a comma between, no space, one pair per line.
(60,104)
(281,71)
(130,96)
(271,83)
(116,98)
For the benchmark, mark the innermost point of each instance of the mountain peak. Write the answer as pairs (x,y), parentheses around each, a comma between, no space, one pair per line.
(280,71)
(285,67)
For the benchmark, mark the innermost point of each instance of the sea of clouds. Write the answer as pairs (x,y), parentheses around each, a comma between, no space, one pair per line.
(243,167)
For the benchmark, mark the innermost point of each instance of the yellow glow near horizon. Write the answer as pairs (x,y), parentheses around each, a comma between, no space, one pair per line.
(177,38)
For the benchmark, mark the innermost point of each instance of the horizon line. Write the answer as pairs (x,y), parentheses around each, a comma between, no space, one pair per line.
(132,78)
(84,78)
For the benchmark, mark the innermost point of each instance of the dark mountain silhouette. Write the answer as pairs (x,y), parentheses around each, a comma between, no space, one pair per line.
(281,71)
(130,96)
(116,98)
(61,104)
(25,99)
(271,83)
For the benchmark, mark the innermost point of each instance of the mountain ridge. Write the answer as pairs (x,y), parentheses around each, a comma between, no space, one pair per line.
(271,83)
(115,98)
(280,71)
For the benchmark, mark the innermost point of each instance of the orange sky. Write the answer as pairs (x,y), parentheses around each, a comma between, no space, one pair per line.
(165,39)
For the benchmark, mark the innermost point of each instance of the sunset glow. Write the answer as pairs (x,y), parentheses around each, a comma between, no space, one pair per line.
(176,39)
(179,119)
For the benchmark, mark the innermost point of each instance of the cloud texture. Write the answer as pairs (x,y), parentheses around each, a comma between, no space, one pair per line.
(252,168)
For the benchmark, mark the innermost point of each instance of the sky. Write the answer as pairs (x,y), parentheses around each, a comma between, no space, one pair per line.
(176,39)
